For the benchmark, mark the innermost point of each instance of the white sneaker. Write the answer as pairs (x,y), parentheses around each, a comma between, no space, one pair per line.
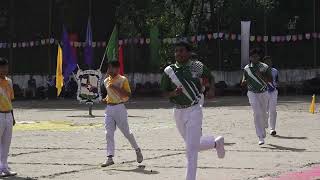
(220,147)
(261,141)
(7,173)
(108,162)
(273,133)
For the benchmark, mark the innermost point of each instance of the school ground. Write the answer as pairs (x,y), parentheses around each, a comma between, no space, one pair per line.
(57,140)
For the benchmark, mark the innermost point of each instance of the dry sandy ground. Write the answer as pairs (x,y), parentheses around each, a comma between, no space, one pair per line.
(59,141)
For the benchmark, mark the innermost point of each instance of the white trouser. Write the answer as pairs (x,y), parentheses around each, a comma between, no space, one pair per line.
(189,122)
(259,104)
(6,124)
(117,116)
(272,107)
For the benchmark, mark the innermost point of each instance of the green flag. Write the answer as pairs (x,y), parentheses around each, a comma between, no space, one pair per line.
(154,48)
(112,47)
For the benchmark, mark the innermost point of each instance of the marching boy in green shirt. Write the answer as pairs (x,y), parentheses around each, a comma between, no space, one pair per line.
(256,77)
(181,83)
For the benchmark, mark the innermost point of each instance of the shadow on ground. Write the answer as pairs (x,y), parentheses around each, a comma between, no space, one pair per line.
(283,148)
(146,103)
(140,169)
(288,137)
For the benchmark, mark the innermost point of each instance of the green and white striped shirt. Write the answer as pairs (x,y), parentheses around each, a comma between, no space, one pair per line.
(188,77)
(256,75)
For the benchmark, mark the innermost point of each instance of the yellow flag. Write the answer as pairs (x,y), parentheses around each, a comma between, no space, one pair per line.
(59,76)
(313,104)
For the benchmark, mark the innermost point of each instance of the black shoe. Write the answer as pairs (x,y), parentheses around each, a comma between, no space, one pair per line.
(273,133)
(139,155)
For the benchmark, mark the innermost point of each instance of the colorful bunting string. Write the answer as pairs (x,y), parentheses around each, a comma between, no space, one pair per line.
(146,41)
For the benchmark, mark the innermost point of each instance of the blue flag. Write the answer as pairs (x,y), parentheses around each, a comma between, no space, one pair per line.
(88,51)
(69,60)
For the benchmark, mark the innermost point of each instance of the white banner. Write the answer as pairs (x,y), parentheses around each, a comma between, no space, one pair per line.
(245,43)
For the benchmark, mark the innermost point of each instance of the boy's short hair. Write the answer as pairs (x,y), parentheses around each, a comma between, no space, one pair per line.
(256,51)
(114,63)
(3,61)
(184,44)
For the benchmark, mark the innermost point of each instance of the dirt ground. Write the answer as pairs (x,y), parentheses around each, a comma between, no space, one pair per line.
(57,140)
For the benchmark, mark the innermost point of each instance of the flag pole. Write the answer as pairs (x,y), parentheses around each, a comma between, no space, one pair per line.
(103,58)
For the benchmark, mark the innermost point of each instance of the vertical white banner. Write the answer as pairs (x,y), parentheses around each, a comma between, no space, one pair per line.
(245,43)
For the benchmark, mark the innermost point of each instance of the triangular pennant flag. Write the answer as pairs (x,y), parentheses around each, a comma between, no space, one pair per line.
(226,36)
(314,35)
(259,38)
(164,40)
(308,36)
(266,38)
(199,38)
(288,37)
(239,37)
(221,35)
(193,38)
(174,40)
(252,38)
(233,36)
(215,35)
(148,40)
(141,41)
(209,36)
(300,37)
(294,37)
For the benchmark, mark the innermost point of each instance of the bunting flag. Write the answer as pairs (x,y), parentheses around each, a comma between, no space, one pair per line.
(69,61)
(112,47)
(59,75)
(155,45)
(88,51)
(89,44)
